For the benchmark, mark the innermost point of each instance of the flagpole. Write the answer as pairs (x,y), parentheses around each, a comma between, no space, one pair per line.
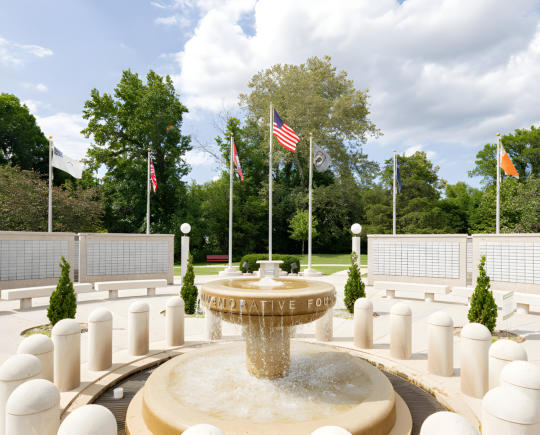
(148,195)
(310,196)
(49,224)
(394,199)
(230,203)
(270,185)
(498,208)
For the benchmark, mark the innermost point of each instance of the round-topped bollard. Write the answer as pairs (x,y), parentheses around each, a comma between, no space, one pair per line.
(100,339)
(41,346)
(447,423)
(138,328)
(441,344)
(524,376)
(400,331)
(66,336)
(501,353)
(174,318)
(474,348)
(203,429)
(330,430)
(33,408)
(508,411)
(363,323)
(89,420)
(16,370)
(324,327)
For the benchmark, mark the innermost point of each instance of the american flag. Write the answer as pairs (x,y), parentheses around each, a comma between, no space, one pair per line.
(284,134)
(237,162)
(153,176)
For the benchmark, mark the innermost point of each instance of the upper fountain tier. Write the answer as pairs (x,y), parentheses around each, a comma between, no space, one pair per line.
(281,301)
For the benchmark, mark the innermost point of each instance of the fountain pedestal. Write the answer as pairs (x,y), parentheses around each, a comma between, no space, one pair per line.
(267,351)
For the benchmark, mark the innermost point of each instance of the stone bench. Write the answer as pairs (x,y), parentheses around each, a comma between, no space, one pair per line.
(466,292)
(524,301)
(113,286)
(26,294)
(428,290)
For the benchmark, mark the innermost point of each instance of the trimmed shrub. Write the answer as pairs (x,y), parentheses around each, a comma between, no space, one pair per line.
(189,290)
(63,302)
(252,259)
(483,307)
(354,288)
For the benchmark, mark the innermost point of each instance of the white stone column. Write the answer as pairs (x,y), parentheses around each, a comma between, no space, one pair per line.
(441,344)
(203,429)
(41,346)
(100,323)
(213,325)
(33,408)
(508,411)
(400,331)
(501,353)
(447,423)
(473,350)
(95,419)
(523,376)
(330,430)
(363,323)
(66,336)
(174,319)
(138,329)
(324,326)
(16,370)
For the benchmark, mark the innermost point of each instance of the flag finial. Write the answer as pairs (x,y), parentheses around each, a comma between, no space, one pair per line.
(498,134)
(231,134)
(311,134)
(148,149)
(50,137)
(394,150)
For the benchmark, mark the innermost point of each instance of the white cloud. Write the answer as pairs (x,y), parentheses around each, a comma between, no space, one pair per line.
(413,149)
(40,87)
(65,128)
(12,53)
(198,158)
(166,21)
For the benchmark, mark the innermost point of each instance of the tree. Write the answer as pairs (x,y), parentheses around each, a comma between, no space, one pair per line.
(299,227)
(459,205)
(483,307)
(354,287)
(189,290)
(63,302)
(124,125)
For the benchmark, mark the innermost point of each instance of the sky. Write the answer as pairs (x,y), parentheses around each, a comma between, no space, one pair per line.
(444,76)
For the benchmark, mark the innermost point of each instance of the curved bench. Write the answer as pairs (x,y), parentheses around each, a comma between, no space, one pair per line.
(26,294)
(113,286)
(427,290)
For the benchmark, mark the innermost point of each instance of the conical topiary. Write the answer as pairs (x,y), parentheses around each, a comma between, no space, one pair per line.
(483,307)
(354,288)
(189,290)
(63,302)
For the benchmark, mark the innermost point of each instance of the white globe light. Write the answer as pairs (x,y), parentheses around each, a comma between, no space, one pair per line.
(185,228)
(356,228)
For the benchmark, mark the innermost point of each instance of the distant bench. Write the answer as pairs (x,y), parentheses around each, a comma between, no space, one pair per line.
(219,258)
(26,294)
(427,290)
(113,286)
(523,301)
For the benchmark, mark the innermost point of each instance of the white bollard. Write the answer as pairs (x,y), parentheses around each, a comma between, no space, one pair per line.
(41,346)
(138,329)
(473,349)
(174,318)
(508,411)
(213,325)
(66,336)
(363,323)
(16,370)
(524,376)
(447,423)
(33,408)
(100,339)
(89,420)
(330,430)
(400,331)
(441,344)
(324,326)
(501,353)
(203,429)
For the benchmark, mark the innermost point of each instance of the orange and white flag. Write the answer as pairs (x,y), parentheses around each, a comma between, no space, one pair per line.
(506,164)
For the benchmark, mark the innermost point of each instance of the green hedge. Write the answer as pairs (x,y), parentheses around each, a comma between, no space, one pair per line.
(253,265)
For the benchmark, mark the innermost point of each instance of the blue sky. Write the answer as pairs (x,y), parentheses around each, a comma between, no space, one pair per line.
(444,75)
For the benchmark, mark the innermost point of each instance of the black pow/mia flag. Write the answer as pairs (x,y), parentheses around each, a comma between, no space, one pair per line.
(321,159)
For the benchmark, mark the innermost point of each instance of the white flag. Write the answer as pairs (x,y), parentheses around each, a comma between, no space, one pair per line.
(67,164)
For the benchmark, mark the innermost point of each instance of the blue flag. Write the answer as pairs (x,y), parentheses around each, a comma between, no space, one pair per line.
(398,178)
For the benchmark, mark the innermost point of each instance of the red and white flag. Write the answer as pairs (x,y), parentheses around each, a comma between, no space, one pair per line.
(237,162)
(153,176)
(284,134)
